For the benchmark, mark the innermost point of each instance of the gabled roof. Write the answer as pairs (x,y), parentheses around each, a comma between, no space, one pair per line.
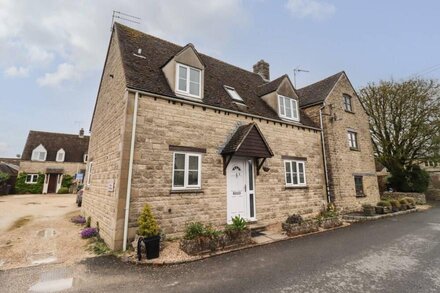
(318,91)
(74,146)
(145,74)
(271,86)
(248,141)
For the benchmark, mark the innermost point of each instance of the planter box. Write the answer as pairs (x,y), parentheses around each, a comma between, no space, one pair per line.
(330,222)
(368,211)
(298,229)
(382,210)
(202,244)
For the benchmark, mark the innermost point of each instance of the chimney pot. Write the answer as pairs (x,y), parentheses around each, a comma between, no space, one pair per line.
(81,132)
(262,68)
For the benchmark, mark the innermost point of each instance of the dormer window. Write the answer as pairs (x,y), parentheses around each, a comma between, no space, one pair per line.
(188,80)
(288,108)
(233,94)
(39,153)
(60,155)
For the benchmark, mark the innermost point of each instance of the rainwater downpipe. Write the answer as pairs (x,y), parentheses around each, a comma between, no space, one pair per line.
(130,171)
(324,154)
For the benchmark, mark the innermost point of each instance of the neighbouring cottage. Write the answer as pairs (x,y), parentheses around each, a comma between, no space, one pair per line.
(202,140)
(10,167)
(54,155)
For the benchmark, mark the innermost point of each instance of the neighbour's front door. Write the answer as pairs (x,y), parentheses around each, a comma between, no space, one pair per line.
(240,189)
(52,186)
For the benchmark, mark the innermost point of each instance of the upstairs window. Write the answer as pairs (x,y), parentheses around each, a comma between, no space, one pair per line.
(186,171)
(188,81)
(60,155)
(347,103)
(39,153)
(359,186)
(233,94)
(352,140)
(288,108)
(295,172)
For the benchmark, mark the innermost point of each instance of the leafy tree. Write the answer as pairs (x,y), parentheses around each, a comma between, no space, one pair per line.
(404,124)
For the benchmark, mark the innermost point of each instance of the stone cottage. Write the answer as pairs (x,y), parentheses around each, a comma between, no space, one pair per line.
(54,155)
(202,140)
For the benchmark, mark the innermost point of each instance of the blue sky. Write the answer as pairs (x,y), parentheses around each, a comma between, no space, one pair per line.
(52,52)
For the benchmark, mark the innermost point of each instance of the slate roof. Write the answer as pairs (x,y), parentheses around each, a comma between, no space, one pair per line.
(147,75)
(74,146)
(318,91)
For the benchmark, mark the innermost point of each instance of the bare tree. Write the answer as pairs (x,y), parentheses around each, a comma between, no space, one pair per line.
(404,121)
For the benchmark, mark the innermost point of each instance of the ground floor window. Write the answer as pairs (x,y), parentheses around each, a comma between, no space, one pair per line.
(295,172)
(31,178)
(359,186)
(186,170)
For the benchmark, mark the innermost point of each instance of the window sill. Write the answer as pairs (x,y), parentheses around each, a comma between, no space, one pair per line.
(177,191)
(296,187)
(348,111)
(355,149)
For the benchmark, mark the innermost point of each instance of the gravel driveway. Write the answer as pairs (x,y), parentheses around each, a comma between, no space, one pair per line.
(36,229)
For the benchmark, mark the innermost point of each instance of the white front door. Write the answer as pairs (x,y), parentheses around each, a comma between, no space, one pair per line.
(240,189)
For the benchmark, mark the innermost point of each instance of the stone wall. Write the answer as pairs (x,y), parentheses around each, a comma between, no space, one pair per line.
(104,197)
(419,197)
(162,123)
(343,163)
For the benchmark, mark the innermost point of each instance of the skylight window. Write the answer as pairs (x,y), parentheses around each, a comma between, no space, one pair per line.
(233,94)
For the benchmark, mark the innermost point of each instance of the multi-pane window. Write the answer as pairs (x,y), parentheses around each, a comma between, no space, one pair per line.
(288,108)
(295,173)
(359,186)
(186,170)
(60,155)
(188,80)
(352,140)
(31,178)
(347,103)
(39,153)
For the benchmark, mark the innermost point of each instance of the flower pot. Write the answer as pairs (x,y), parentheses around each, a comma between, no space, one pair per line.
(152,245)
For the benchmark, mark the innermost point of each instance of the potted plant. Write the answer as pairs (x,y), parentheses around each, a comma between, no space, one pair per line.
(368,210)
(403,204)
(295,225)
(149,232)
(383,207)
(237,232)
(395,205)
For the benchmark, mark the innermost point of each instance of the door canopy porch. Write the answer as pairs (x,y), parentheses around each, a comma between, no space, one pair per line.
(247,141)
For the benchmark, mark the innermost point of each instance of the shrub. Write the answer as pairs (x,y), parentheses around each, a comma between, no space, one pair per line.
(194,230)
(294,219)
(63,190)
(384,203)
(329,212)
(403,201)
(89,233)
(147,225)
(99,247)
(238,224)
(3,177)
(67,181)
(394,203)
(22,187)
(410,200)
(88,222)
(78,220)
(412,179)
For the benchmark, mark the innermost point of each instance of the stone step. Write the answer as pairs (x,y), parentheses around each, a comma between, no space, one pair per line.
(257,227)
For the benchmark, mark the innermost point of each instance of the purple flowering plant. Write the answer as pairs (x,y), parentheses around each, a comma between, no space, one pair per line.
(89,233)
(78,220)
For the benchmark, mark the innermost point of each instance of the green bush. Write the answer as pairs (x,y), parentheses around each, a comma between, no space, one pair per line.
(147,225)
(63,190)
(410,200)
(3,177)
(412,179)
(67,181)
(22,187)
(394,203)
(384,203)
(403,201)
(238,224)
(194,230)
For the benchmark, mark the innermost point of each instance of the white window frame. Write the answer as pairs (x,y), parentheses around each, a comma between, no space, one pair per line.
(186,169)
(89,173)
(297,163)
(60,151)
(231,91)
(352,139)
(85,158)
(32,179)
(188,70)
(348,98)
(36,153)
(282,100)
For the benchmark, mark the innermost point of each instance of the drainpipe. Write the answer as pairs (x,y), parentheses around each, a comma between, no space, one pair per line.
(130,172)
(327,187)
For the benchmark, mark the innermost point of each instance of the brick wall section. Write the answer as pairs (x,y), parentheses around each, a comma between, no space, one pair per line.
(162,123)
(36,167)
(106,149)
(343,163)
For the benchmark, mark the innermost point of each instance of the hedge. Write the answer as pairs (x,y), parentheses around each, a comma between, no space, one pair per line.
(22,187)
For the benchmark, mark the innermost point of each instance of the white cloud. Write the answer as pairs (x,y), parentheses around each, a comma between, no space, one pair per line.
(311,8)
(14,71)
(65,39)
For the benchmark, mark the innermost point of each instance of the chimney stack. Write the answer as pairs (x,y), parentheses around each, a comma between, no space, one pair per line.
(81,133)
(262,68)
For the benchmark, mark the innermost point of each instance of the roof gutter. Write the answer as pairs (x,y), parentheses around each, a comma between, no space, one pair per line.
(134,90)
(130,172)
(324,155)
